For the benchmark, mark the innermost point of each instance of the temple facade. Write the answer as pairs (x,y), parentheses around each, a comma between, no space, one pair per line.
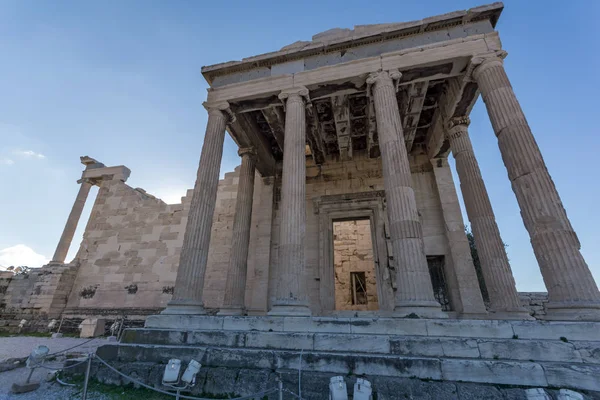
(358,124)
(337,247)
(344,201)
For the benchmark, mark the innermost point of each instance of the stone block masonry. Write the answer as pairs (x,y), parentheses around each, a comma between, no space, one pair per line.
(130,251)
(352,253)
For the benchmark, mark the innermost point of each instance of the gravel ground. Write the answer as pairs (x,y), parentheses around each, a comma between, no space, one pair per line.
(21,346)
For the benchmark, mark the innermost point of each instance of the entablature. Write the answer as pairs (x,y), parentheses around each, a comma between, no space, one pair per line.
(340,117)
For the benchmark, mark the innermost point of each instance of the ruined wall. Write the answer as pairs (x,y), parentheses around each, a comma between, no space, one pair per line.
(130,251)
(353,252)
(361,174)
(18,291)
(534,302)
(5,278)
(36,296)
(52,287)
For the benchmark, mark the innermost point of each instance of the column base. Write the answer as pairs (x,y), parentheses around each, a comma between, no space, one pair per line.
(231,311)
(519,314)
(253,312)
(290,311)
(54,262)
(469,315)
(421,311)
(564,311)
(184,307)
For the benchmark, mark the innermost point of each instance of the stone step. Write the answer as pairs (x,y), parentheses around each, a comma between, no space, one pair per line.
(577,376)
(461,328)
(416,346)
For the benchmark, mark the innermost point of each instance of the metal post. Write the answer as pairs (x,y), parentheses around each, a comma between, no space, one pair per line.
(280,387)
(120,328)
(87,376)
(30,373)
(60,325)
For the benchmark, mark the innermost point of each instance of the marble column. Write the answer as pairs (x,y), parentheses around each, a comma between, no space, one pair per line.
(464,277)
(504,299)
(414,289)
(235,285)
(290,293)
(67,236)
(189,284)
(572,291)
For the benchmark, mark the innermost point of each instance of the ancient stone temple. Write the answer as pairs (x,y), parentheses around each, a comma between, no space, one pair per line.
(358,124)
(340,236)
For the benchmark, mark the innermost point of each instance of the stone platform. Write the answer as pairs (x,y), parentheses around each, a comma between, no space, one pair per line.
(523,353)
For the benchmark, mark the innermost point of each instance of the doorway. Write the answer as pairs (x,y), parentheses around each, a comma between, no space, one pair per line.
(354,266)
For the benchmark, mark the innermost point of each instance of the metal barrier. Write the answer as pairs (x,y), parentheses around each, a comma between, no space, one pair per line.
(93,357)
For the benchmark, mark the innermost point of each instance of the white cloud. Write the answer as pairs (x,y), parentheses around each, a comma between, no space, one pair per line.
(6,161)
(20,255)
(29,153)
(170,195)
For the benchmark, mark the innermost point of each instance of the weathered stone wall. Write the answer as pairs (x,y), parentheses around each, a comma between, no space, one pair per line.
(5,279)
(220,241)
(353,252)
(534,302)
(18,291)
(37,296)
(130,251)
(52,287)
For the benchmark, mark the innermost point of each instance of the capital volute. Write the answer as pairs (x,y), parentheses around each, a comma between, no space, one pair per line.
(297,93)
(459,121)
(382,78)
(457,127)
(483,61)
(247,151)
(220,108)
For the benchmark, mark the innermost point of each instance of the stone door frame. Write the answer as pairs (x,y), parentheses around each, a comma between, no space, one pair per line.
(351,206)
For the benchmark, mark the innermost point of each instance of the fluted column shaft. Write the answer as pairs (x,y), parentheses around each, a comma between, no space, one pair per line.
(567,277)
(415,292)
(235,285)
(490,247)
(189,285)
(71,226)
(462,275)
(290,293)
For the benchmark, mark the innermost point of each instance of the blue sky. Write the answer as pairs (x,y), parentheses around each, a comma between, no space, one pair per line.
(120,81)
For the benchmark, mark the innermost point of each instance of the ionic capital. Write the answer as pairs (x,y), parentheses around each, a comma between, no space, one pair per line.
(457,127)
(384,78)
(482,62)
(298,93)
(247,151)
(455,121)
(220,108)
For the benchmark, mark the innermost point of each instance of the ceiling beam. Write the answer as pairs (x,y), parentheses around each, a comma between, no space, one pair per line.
(412,112)
(313,135)
(457,100)
(341,115)
(276,120)
(247,134)
(372,137)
